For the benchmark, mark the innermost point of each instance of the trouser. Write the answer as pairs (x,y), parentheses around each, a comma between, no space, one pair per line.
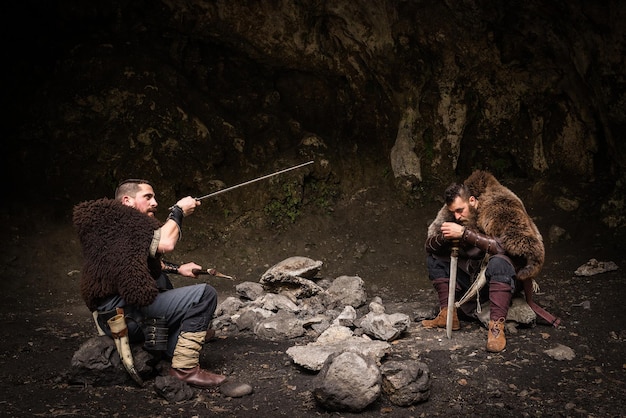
(500,276)
(186,309)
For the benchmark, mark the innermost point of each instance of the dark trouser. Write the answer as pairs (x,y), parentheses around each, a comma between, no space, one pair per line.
(500,276)
(186,309)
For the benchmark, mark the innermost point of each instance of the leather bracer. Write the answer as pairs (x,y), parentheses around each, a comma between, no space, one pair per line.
(484,242)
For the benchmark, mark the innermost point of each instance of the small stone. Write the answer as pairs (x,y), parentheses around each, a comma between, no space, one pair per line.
(235,389)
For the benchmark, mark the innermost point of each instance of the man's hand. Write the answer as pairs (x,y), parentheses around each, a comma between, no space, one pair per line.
(188,205)
(452,230)
(187,269)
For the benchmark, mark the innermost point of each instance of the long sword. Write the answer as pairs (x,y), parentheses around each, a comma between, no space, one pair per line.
(245,183)
(454,259)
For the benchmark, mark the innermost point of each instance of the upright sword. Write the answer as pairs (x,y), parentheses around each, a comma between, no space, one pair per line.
(454,259)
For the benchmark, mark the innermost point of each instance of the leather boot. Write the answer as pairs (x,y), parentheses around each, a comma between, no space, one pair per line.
(441,286)
(441,320)
(499,301)
(198,377)
(496,341)
(186,359)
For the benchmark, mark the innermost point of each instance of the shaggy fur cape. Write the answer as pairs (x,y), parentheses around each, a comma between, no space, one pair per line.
(501,215)
(115,240)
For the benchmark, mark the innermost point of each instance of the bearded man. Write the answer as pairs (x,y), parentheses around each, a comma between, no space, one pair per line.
(123,244)
(484,218)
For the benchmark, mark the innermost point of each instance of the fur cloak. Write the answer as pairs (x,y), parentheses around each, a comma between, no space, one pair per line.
(115,240)
(502,215)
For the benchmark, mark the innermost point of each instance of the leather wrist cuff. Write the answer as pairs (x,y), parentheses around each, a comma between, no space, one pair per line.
(177,215)
(484,242)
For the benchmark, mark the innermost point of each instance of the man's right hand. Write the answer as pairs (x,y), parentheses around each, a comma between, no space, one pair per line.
(188,205)
(452,230)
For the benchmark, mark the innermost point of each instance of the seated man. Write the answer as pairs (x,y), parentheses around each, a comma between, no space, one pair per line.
(483,217)
(123,245)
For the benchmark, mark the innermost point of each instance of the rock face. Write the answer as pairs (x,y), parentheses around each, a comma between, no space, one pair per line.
(529,89)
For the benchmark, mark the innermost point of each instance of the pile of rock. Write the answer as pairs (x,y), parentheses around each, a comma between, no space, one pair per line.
(350,339)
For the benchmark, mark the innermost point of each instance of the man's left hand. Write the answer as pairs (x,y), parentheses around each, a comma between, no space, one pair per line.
(187,269)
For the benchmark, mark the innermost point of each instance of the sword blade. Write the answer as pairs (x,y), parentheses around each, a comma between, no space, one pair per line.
(253,180)
(451,290)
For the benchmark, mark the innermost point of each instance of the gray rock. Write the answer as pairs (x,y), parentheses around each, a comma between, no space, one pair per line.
(250,317)
(348,382)
(172,389)
(561,352)
(347,290)
(406,382)
(250,290)
(281,326)
(97,363)
(336,340)
(346,317)
(384,327)
(296,266)
(229,306)
(275,302)
(235,389)
(593,267)
(519,312)
(293,274)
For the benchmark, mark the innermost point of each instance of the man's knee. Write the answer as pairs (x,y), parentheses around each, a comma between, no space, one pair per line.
(500,270)
(437,268)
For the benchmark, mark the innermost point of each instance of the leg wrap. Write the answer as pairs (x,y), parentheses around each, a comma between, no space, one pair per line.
(442,286)
(187,351)
(500,295)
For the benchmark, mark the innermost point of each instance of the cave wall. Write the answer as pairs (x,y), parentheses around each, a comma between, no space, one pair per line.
(187,91)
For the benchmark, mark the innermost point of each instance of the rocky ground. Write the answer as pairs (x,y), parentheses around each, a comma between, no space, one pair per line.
(367,234)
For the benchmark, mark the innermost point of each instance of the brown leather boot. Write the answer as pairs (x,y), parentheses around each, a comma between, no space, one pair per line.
(186,361)
(496,341)
(441,320)
(198,377)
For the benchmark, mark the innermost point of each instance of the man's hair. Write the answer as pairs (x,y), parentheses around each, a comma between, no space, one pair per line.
(453,191)
(129,187)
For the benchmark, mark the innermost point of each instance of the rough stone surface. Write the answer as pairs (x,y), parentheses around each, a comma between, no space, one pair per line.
(235,389)
(561,352)
(348,382)
(172,389)
(406,382)
(593,267)
(347,290)
(312,356)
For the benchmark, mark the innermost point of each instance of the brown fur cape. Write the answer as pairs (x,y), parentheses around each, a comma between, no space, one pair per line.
(502,215)
(115,240)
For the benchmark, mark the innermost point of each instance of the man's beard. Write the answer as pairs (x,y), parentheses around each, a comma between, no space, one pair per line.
(471,219)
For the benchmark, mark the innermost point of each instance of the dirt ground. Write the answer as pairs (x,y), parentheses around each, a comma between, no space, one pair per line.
(367,234)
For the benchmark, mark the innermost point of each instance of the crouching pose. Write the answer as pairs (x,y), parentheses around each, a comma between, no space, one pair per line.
(484,218)
(123,244)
